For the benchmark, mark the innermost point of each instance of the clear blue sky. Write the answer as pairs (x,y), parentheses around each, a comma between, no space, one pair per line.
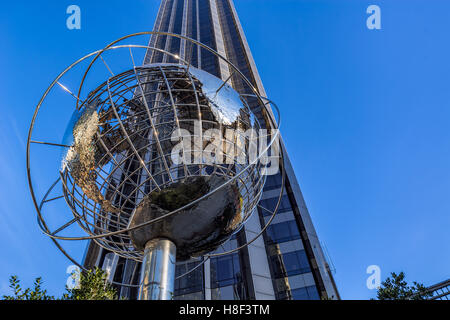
(365,120)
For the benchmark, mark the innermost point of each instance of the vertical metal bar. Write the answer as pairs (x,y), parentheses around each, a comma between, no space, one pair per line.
(207,279)
(158,270)
(131,144)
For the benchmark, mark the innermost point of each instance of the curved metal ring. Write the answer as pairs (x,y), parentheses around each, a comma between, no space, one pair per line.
(170,213)
(30,184)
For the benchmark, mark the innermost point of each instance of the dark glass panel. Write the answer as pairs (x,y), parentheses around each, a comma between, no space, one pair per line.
(290,264)
(175,42)
(190,283)
(161,40)
(209,61)
(225,271)
(271,203)
(282,232)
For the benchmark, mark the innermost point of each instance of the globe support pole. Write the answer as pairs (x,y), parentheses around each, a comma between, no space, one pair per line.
(158,270)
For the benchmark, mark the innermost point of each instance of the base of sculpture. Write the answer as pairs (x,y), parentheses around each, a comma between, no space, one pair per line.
(157,280)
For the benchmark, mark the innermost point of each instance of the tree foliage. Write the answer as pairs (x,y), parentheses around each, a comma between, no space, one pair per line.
(396,288)
(92,286)
(36,293)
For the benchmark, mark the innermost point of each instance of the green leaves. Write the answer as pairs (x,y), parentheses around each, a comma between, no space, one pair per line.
(396,288)
(28,294)
(93,286)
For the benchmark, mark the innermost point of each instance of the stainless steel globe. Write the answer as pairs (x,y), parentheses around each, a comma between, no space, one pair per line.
(159,162)
(122,171)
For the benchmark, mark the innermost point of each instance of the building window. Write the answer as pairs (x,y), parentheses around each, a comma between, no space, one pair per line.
(226,278)
(271,203)
(290,264)
(282,232)
(209,62)
(190,283)
(272,182)
(226,293)
(284,292)
(225,271)
(174,41)
(191,296)
(306,293)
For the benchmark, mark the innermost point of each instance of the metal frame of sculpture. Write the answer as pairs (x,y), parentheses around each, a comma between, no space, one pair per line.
(114,127)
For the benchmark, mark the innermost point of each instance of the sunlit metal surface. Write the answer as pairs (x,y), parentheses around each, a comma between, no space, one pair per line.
(120,161)
(157,279)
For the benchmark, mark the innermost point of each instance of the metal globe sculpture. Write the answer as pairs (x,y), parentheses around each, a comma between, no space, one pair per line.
(159,163)
(120,171)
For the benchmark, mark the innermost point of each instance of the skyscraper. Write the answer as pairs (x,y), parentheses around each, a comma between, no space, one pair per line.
(288,261)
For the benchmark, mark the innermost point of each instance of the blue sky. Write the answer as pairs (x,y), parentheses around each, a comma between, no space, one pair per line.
(365,120)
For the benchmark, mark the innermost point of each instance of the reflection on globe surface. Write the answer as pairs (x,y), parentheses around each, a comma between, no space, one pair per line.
(119,172)
(197,230)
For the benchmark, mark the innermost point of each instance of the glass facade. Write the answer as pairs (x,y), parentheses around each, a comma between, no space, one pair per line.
(227,274)
(209,61)
(288,261)
(288,247)
(190,286)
